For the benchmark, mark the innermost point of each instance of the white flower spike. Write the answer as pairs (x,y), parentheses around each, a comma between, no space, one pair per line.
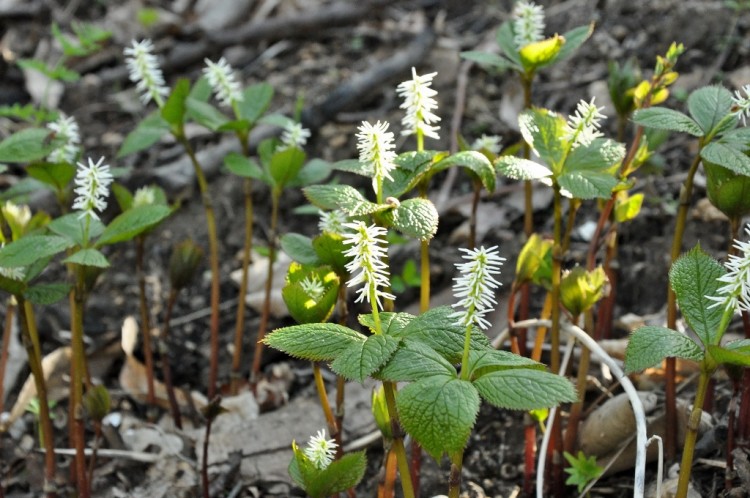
(528,23)
(419,104)
(92,188)
(492,143)
(223,81)
(742,104)
(735,295)
(375,146)
(332,221)
(66,130)
(476,286)
(583,126)
(321,451)
(313,287)
(368,252)
(294,135)
(145,72)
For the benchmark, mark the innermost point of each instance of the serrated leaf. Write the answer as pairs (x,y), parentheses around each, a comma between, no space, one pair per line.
(708,106)
(739,138)
(73,227)
(488,60)
(600,154)
(483,362)
(649,345)
(542,130)
(27,145)
(243,166)
(413,361)
(314,341)
(693,277)
(307,307)
(299,248)
(204,114)
(472,160)
(354,166)
(147,133)
(255,101)
(361,359)
(174,108)
(588,184)
(524,389)
(439,413)
(411,168)
(737,356)
(662,118)
(390,323)
(416,218)
(27,250)
(88,257)
(132,222)
(343,197)
(573,40)
(437,329)
(521,169)
(339,476)
(57,175)
(727,156)
(47,294)
(505,40)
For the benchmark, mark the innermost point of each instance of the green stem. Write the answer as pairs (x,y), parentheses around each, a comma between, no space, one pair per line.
(454,481)
(263,327)
(398,440)
(213,246)
(467,348)
(692,433)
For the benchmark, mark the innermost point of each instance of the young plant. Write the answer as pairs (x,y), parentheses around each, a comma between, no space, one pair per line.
(583,470)
(708,296)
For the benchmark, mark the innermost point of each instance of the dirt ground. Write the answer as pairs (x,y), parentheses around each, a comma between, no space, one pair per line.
(314,64)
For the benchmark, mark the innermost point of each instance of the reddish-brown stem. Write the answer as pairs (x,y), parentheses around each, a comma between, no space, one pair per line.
(166,368)
(9,315)
(76,385)
(386,487)
(94,449)
(729,473)
(571,432)
(743,431)
(204,463)
(145,319)
(477,187)
(343,313)
(529,436)
(606,306)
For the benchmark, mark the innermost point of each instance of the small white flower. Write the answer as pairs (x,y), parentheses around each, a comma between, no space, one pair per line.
(294,135)
(13,213)
(736,293)
(742,104)
(66,130)
(375,145)
(145,72)
(583,126)
(476,285)
(488,142)
(528,23)
(92,187)
(313,287)
(321,451)
(368,252)
(223,81)
(419,104)
(144,196)
(332,221)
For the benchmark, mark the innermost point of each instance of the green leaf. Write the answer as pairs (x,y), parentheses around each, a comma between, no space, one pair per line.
(542,130)
(88,257)
(727,156)
(255,101)
(505,39)
(174,108)
(439,413)
(708,106)
(735,356)
(437,329)
(524,389)
(390,323)
(314,171)
(491,360)
(147,133)
(243,166)
(582,470)
(73,227)
(58,72)
(57,175)
(29,249)
(329,247)
(339,476)
(205,114)
(343,197)
(299,248)
(727,190)
(472,160)
(488,60)
(314,341)
(599,155)
(354,166)
(27,145)
(662,118)
(416,218)
(649,345)
(132,222)
(285,165)
(629,208)
(521,169)
(14,287)
(534,262)
(47,294)
(573,40)
(693,277)
(361,359)
(413,361)
(307,307)
(411,168)
(588,184)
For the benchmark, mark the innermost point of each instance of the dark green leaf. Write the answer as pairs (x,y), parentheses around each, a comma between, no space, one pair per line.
(147,133)
(27,145)
(88,257)
(339,476)
(133,222)
(299,248)
(662,118)
(588,184)
(490,360)
(57,175)
(354,166)
(524,389)
(736,356)
(243,166)
(411,169)
(361,359)
(728,156)
(521,169)
(473,161)
(390,323)
(542,130)
(415,217)
(285,165)
(573,40)
(314,341)
(255,101)
(27,250)
(330,248)
(343,197)
(314,171)
(708,106)
(46,294)
(413,361)
(73,226)
(505,39)
(205,114)
(174,109)
(648,346)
